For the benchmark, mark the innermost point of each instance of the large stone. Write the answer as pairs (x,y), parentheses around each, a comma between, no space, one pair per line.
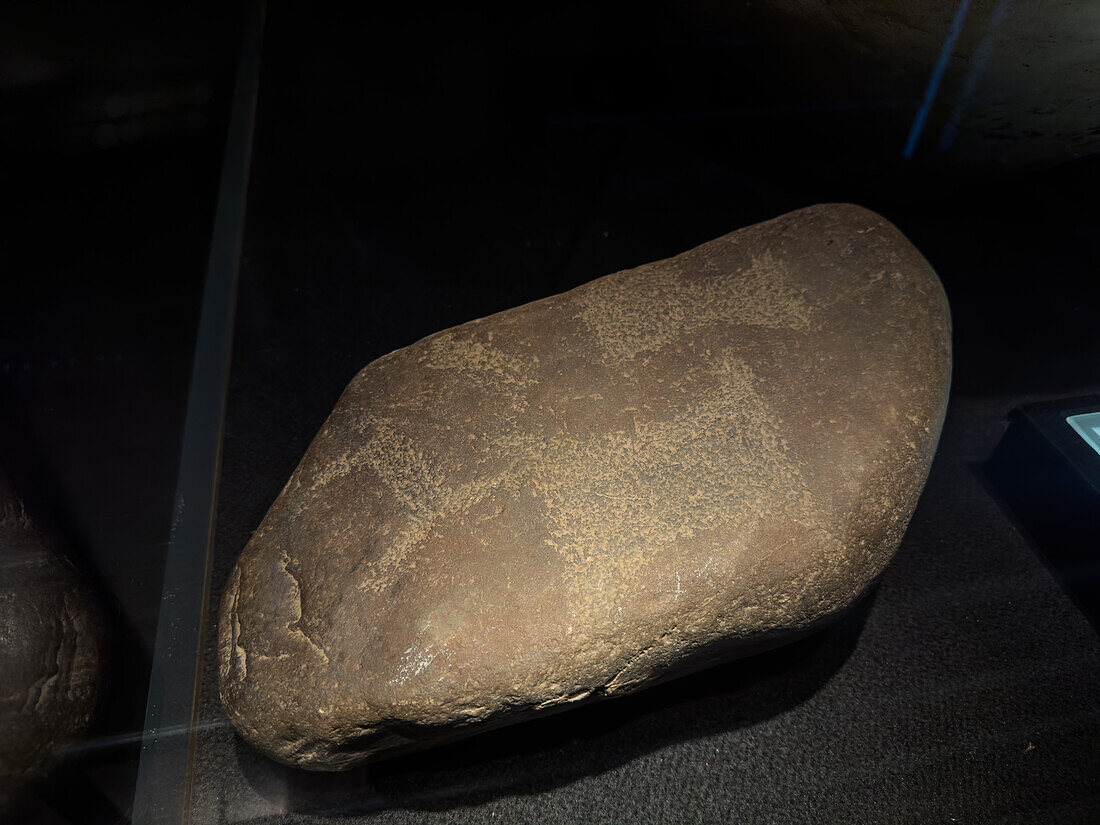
(673,465)
(51,650)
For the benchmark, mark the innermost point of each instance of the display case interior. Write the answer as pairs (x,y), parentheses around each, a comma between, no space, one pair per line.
(414,171)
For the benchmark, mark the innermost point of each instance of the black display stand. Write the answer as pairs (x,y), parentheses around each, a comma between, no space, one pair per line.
(1049,476)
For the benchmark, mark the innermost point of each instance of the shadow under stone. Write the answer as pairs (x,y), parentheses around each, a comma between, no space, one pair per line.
(543,754)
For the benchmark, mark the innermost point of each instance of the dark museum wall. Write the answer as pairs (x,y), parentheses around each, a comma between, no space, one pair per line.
(414,168)
(112,125)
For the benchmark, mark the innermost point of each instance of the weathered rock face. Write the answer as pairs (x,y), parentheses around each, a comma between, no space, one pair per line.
(688,461)
(51,650)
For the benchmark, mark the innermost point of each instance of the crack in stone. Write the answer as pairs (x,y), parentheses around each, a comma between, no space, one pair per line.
(294,625)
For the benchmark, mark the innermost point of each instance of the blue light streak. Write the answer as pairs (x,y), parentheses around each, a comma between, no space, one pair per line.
(934,81)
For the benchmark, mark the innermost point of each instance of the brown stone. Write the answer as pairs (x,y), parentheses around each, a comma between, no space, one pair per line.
(670,466)
(51,650)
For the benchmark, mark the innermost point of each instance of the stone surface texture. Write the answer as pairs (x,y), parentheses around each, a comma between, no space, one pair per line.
(51,650)
(673,465)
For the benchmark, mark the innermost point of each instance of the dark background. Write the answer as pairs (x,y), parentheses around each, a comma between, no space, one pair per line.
(417,168)
(112,124)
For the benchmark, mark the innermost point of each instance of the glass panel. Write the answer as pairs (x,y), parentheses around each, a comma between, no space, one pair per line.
(111,133)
